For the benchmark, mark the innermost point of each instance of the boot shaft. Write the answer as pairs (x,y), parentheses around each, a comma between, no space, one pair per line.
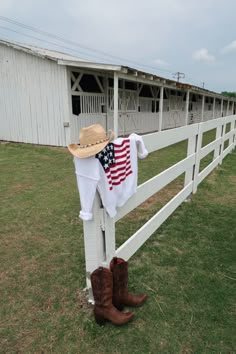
(121,295)
(102,285)
(119,269)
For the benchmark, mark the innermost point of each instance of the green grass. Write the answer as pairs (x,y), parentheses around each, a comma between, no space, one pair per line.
(187,267)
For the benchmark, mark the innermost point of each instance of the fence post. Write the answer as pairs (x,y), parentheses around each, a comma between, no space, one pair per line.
(93,243)
(198,160)
(161,109)
(110,241)
(217,150)
(192,145)
(231,140)
(222,142)
(187,108)
(234,131)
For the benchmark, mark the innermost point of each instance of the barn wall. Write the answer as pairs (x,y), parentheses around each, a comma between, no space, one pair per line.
(33,99)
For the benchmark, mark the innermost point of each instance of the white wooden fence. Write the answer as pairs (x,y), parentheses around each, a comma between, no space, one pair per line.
(99,234)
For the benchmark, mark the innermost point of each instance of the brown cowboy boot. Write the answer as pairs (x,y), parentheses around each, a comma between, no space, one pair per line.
(121,296)
(102,285)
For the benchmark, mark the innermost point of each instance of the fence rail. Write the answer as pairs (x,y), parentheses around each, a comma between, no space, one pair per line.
(99,234)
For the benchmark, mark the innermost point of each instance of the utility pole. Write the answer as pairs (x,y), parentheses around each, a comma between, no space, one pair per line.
(203,84)
(179,75)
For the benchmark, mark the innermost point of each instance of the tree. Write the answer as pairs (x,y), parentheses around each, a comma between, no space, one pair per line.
(229,94)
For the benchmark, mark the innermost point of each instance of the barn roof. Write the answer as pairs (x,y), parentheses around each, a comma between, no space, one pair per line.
(72,61)
(42,52)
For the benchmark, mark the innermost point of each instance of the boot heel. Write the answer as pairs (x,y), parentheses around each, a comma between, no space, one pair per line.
(119,307)
(99,318)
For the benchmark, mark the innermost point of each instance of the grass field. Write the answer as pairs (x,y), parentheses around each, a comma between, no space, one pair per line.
(187,267)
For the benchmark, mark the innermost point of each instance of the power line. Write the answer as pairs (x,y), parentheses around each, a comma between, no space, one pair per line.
(54,36)
(58,38)
(44,40)
(179,75)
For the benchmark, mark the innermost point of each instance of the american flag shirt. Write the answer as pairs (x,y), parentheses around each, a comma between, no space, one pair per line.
(115,160)
(112,172)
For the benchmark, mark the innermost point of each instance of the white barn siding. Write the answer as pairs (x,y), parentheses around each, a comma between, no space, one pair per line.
(33,99)
(128,122)
(132,122)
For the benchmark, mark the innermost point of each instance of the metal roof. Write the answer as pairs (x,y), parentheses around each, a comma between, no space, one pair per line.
(42,52)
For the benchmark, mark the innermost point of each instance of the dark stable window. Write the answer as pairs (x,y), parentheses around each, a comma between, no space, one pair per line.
(111,83)
(165,95)
(130,85)
(145,92)
(88,83)
(76,108)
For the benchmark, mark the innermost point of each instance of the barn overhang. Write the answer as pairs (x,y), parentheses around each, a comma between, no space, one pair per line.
(121,97)
(132,74)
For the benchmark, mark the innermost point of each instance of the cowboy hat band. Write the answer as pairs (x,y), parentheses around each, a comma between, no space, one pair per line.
(92,140)
(97,142)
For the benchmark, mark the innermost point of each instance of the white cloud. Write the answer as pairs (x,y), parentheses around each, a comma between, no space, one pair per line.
(229,48)
(203,55)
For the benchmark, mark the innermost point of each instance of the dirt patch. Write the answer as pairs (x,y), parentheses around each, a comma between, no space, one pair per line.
(228,200)
(155,202)
(20,187)
(156,244)
(212,178)
(178,250)
(4,142)
(82,301)
(163,195)
(232,179)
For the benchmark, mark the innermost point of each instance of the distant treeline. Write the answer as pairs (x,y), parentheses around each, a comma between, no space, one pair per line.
(230,94)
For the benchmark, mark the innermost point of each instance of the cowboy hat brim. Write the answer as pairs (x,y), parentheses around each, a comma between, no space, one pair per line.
(83,152)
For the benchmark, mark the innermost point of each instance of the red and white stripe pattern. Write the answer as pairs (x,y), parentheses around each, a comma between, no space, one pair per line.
(115,159)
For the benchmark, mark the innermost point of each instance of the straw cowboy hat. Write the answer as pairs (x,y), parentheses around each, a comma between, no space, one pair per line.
(92,140)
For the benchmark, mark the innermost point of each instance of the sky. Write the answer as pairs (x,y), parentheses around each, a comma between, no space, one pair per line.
(163,37)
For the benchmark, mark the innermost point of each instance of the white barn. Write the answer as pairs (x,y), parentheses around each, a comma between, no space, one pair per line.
(47,96)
